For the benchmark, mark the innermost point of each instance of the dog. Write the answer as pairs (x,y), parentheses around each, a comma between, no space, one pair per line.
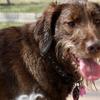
(46,60)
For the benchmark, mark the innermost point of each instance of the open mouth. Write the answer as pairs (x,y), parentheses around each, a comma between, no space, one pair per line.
(89,68)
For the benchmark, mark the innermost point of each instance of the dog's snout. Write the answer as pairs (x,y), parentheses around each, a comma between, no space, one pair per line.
(94,48)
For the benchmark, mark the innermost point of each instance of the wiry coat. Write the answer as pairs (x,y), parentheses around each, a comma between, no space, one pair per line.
(30,59)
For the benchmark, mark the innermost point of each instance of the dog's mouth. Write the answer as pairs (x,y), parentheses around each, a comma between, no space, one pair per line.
(89,68)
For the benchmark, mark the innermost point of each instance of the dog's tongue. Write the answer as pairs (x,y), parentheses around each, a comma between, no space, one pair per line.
(89,69)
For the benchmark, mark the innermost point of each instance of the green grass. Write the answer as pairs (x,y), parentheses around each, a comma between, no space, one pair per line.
(25,1)
(9,24)
(36,8)
(24,5)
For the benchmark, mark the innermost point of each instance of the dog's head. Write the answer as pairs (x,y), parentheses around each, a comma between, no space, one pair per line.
(74,27)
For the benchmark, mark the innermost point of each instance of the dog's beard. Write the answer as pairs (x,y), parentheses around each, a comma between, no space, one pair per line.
(62,48)
(88,67)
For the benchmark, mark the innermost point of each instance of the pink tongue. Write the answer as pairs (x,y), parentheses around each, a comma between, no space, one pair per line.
(89,69)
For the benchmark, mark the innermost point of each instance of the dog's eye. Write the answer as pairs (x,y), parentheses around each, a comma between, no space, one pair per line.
(71,24)
(97,21)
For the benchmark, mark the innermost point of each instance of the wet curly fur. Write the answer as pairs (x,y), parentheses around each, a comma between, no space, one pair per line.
(35,57)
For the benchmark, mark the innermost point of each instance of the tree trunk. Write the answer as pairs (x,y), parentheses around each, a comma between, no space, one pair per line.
(8,2)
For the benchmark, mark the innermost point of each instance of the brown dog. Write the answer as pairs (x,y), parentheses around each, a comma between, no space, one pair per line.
(46,59)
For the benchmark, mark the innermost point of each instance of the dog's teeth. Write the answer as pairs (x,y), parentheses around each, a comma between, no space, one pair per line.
(98,61)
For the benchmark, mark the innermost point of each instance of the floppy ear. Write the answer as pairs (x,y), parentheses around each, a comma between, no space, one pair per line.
(42,32)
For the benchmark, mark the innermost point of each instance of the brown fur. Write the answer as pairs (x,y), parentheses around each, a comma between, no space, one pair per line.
(30,55)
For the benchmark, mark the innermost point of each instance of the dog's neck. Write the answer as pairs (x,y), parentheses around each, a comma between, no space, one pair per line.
(66,78)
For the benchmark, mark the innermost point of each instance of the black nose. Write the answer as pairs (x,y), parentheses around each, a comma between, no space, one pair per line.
(94,48)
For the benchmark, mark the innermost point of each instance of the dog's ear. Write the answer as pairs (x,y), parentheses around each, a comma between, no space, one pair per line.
(42,32)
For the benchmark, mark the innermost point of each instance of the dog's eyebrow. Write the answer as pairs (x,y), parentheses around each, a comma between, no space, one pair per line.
(95,14)
(70,14)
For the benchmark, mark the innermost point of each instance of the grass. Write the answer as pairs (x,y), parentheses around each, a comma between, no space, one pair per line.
(25,1)
(21,6)
(7,24)
(36,8)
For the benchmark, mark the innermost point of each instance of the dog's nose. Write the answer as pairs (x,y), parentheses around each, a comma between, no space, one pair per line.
(94,48)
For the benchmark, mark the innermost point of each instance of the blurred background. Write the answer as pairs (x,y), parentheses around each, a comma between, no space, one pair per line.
(19,12)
